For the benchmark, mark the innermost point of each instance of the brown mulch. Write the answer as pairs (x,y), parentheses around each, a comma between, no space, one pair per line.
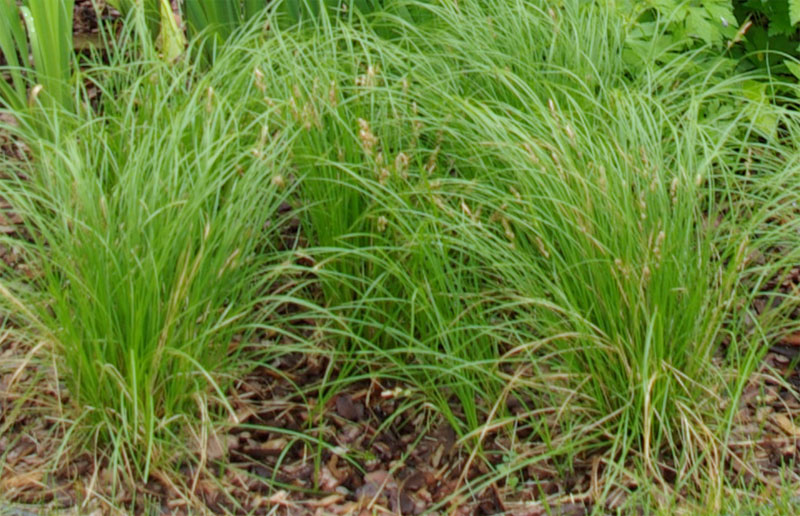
(367,465)
(381,454)
(765,440)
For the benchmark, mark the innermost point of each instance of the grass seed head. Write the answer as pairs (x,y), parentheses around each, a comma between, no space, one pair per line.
(673,191)
(209,100)
(368,140)
(310,117)
(660,238)
(507,229)
(570,134)
(230,262)
(333,96)
(259,80)
(621,267)
(401,164)
(542,248)
(531,153)
(432,160)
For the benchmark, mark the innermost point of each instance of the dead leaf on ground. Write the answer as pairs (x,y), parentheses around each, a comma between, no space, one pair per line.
(785,424)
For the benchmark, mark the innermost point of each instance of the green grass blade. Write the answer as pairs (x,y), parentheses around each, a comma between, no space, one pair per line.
(13,45)
(50,35)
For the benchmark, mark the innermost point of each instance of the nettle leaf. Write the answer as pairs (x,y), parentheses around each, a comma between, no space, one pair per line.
(643,46)
(723,16)
(779,20)
(793,67)
(776,12)
(671,12)
(794,11)
(760,6)
(666,6)
(699,25)
(710,21)
(765,51)
(642,32)
(757,40)
(764,119)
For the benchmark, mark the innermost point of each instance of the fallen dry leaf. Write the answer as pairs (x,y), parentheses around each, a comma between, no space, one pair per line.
(327,501)
(31,479)
(791,340)
(785,423)
(280,498)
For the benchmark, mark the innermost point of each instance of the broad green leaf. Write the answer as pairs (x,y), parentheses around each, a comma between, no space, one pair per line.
(758,110)
(780,19)
(794,11)
(793,67)
(722,16)
(699,26)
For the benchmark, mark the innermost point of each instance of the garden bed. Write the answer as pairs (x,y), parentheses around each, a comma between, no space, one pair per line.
(384,267)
